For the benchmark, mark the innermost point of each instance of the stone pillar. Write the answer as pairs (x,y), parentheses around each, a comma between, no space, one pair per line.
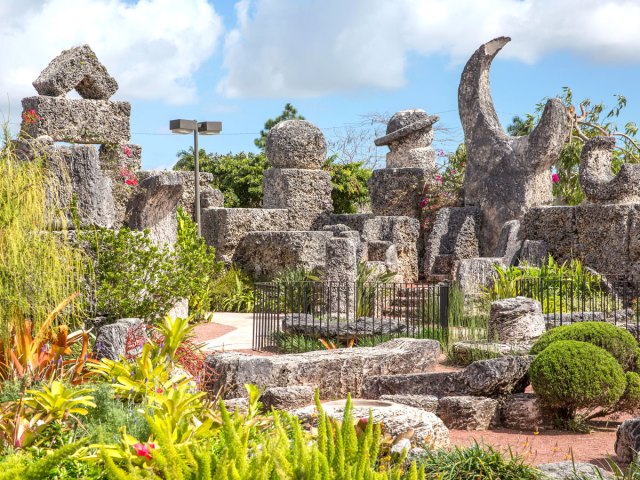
(297,150)
(340,278)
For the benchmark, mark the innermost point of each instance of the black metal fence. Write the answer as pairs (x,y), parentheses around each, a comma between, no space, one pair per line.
(303,316)
(595,298)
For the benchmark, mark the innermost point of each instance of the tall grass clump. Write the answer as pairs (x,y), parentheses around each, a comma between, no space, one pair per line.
(38,267)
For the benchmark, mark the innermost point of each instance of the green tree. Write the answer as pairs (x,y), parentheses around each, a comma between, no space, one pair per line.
(591,121)
(349,182)
(237,175)
(288,113)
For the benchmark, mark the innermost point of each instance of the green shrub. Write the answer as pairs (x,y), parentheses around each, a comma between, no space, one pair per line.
(475,462)
(136,278)
(570,375)
(617,341)
(232,291)
(630,400)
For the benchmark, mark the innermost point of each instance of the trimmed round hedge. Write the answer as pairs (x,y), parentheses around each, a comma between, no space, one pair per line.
(615,340)
(570,375)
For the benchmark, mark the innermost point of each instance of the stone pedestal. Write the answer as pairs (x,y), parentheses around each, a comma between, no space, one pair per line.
(305,193)
(398,191)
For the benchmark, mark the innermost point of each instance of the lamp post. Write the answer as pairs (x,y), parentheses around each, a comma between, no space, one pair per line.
(202,128)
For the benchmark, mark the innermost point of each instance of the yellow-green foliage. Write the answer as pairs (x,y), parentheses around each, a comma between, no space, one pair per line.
(38,268)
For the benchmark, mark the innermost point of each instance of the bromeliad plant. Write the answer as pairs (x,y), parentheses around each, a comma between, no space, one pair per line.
(45,354)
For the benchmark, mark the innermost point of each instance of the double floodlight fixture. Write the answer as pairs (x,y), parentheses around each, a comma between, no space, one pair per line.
(190,126)
(197,128)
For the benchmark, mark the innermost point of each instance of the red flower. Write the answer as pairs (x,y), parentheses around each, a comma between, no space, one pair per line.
(423,202)
(132,182)
(127,151)
(142,450)
(30,116)
(159,390)
(555,178)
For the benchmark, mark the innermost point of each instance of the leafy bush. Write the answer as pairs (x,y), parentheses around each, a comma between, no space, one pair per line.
(349,180)
(232,291)
(570,375)
(475,462)
(139,279)
(617,341)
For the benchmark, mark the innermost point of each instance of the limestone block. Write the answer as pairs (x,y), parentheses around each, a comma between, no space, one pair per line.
(467,412)
(404,233)
(556,226)
(596,177)
(334,372)
(264,254)
(77,68)
(79,181)
(398,191)
(121,163)
(484,378)
(516,320)
(523,412)
(504,175)
(78,121)
(628,440)
(534,252)
(603,233)
(570,470)
(188,199)
(317,326)
(466,352)
(355,221)
(305,193)
(224,228)
(509,242)
(111,340)
(154,207)
(424,428)
(296,144)
(474,275)
(455,232)
(428,403)
(287,398)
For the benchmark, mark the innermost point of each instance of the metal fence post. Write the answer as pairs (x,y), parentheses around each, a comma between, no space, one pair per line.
(444,311)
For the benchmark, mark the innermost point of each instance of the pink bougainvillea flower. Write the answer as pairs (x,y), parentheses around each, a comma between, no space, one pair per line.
(423,202)
(127,151)
(555,178)
(439,178)
(142,450)
(132,182)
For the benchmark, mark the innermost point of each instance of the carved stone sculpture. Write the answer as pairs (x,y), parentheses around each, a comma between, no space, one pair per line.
(504,175)
(598,182)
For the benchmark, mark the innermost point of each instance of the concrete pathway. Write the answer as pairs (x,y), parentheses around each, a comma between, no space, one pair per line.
(227,331)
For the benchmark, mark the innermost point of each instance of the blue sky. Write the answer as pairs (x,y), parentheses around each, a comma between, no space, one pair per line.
(336,61)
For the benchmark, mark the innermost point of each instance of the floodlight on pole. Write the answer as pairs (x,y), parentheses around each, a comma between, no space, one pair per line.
(183,126)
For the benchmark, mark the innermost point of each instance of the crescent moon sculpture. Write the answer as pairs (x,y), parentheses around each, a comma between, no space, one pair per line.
(504,175)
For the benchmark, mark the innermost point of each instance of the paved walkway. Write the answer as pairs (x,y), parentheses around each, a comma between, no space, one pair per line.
(227,331)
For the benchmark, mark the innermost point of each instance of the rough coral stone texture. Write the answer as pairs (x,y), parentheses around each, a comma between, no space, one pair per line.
(77,68)
(296,144)
(287,398)
(404,233)
(424,428)
(556,226)
(428,403)
(343,328)
(340,276)
(209,197)
(78,121)
(398,191)
(305,193)
(467,412)
(570,470)
(334,372)
(466,352)
(80,182)
(265,254)
(224,228)
(111,340)
(504,175)
(454,233)
(597,180)
(523,412)
(154,207)
(474,275)
(509,242)
(484,378)
(628,440)
(121,163)
(516,320)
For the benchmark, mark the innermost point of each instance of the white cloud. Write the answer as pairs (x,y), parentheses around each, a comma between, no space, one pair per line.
(152,47)
(295,48)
